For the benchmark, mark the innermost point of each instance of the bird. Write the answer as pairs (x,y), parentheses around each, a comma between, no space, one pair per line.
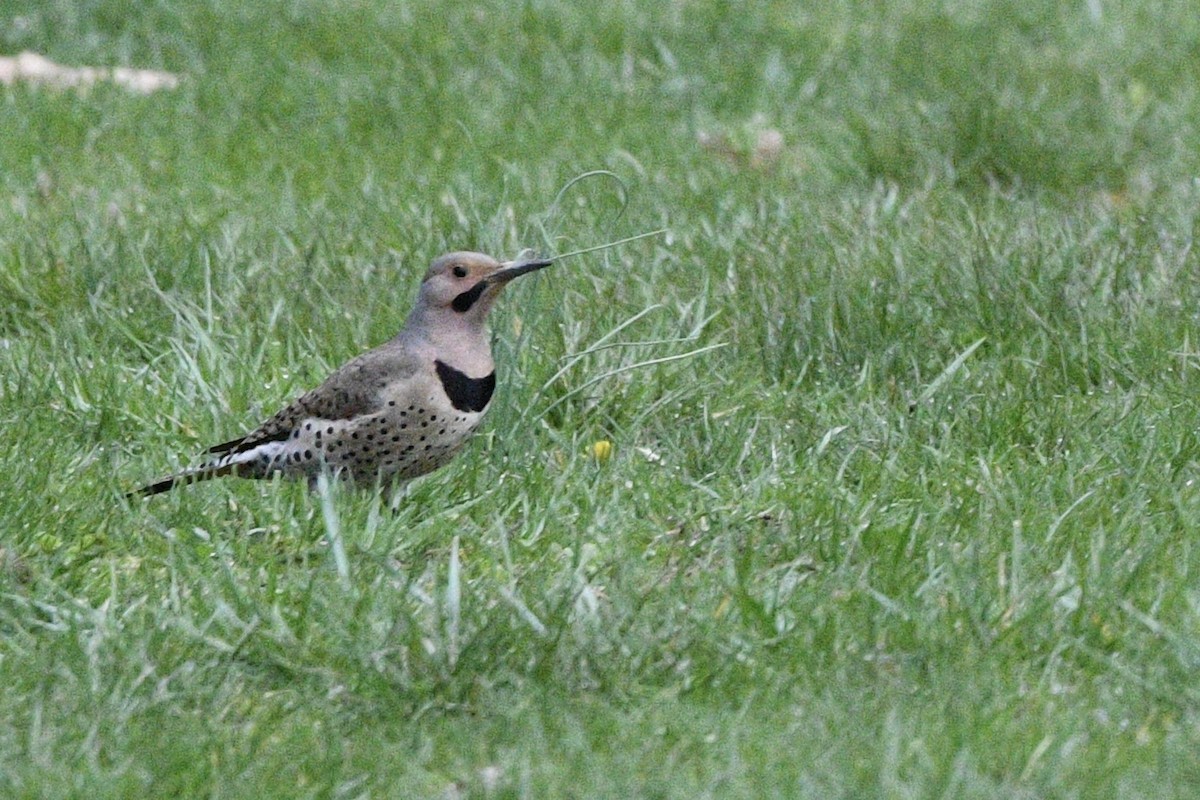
(395,412)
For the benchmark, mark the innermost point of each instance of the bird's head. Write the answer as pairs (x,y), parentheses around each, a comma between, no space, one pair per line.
(468,283)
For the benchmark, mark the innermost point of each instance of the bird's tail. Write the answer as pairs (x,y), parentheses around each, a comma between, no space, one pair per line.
(258,461)
(169,482)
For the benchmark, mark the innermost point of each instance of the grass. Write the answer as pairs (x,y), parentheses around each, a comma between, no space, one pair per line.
(902,500)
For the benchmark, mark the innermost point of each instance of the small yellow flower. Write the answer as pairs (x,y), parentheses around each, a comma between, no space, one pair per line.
(602,450)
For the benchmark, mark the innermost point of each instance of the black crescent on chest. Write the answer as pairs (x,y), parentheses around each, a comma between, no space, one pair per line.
(466,394)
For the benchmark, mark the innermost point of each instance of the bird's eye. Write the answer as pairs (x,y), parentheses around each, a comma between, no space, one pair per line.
(460,271)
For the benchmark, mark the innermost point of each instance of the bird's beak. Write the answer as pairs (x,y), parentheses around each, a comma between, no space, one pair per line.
(517,267)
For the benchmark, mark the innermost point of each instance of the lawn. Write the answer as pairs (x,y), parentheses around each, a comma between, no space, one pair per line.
(901,500)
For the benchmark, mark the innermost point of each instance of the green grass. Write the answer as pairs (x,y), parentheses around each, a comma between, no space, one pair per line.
(918,521)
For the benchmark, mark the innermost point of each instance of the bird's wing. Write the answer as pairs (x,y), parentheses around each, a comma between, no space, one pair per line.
(351,391)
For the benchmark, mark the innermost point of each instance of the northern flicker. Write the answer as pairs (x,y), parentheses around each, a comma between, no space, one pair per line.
(395,412)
